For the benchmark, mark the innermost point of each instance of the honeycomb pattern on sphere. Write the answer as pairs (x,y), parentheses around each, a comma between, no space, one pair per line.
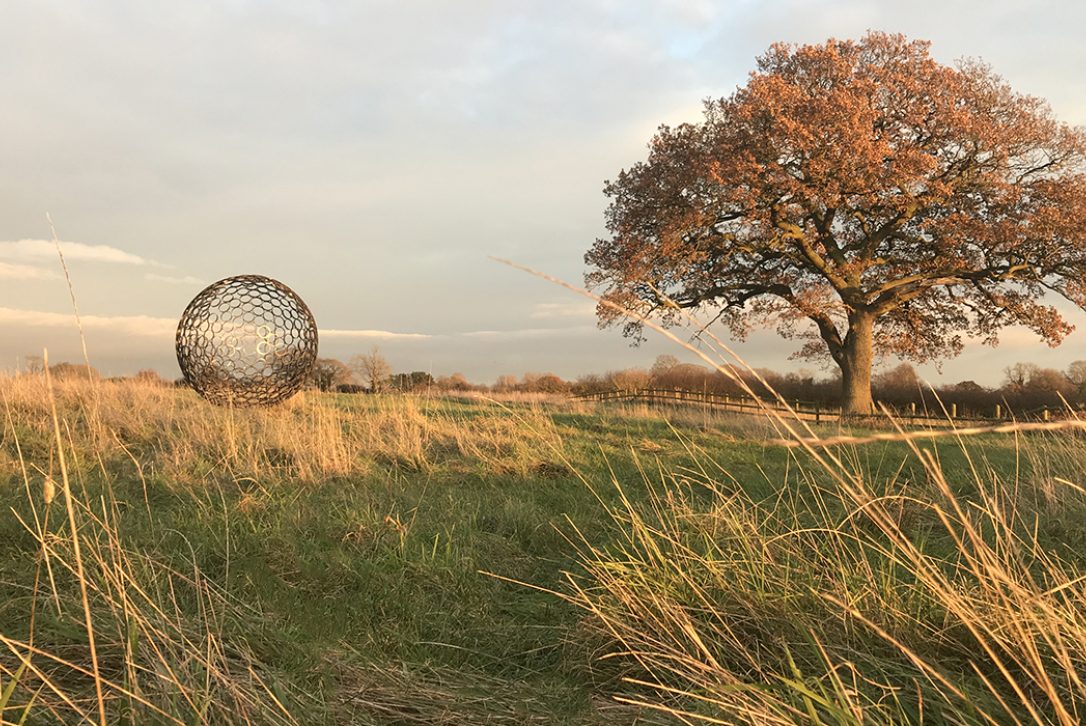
(247,341)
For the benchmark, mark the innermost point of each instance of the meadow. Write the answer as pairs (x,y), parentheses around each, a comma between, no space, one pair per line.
(408,559)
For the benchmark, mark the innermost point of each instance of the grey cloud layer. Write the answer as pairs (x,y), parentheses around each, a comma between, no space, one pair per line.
(372,154)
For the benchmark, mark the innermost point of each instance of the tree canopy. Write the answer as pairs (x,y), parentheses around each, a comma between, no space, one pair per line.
(860,196)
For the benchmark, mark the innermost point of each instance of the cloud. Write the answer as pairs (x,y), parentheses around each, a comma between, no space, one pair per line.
(142,325)
(38,249)
(550,311)
(1018,337)
(145,325)
(11,271)
(529,333)
(374,334)
(186,280)
(298,138)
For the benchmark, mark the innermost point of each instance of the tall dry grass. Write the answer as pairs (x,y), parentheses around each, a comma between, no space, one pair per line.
(172,434)
(113,635)
(854,596)
(858,601)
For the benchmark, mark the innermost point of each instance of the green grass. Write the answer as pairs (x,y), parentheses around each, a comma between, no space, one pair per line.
(381,592)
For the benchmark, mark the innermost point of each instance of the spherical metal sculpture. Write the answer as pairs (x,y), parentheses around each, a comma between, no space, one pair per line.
(247,341)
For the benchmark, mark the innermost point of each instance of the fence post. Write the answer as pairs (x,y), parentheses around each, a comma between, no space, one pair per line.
(954,410)
(998,411)
(818,413)
(1046,414)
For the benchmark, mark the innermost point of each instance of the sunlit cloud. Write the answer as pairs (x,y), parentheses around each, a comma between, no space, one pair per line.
(185,280)
(12,271)
(141,325)
(557,310)
(529,333)
(38,249)
(373,334)
(145,325)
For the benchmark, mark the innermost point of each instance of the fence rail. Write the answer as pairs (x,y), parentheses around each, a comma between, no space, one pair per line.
(813,410)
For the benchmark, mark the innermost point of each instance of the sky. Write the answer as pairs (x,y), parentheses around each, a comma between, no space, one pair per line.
(374,155)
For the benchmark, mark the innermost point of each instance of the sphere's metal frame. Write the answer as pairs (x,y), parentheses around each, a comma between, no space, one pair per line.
(247,340)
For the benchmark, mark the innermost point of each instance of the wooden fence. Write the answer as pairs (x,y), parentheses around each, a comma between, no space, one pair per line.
(813,410)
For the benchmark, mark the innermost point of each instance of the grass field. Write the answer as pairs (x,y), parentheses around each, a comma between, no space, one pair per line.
(416,560)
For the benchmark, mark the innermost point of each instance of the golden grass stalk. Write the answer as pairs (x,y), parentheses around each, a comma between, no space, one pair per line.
(76,548)
(71,293)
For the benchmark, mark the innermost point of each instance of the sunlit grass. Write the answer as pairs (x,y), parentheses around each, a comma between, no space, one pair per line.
(850,599)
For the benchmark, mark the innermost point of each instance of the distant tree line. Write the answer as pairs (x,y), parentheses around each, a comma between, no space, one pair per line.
(1025,386)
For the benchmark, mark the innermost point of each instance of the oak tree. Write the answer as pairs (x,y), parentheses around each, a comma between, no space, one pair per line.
(861,196)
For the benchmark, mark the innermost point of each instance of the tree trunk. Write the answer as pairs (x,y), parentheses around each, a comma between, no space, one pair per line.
(856,359)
